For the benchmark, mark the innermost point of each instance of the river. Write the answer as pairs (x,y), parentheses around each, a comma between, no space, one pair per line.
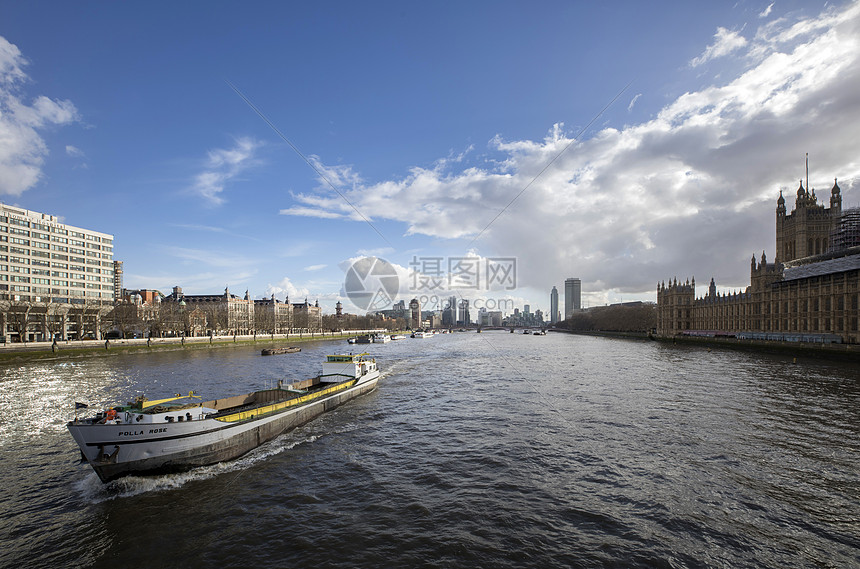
(476,450)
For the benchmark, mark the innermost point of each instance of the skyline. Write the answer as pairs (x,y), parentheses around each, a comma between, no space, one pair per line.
(128,123)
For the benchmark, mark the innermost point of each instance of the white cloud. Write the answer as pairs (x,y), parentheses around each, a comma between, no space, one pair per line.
(379,252)
(22,149)
(286,289)
(633,102)
(315,267)
(766,12)
(222,166)
(726,42)
(74,152)
(310,212)
(214,258)
(690,192)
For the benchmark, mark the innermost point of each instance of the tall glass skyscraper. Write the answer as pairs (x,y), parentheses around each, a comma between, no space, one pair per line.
(572,296)
(553,306)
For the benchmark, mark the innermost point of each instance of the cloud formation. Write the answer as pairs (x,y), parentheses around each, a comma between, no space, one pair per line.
(286,289)
(726,42)
(222,166)
(74,151)
(22,149)
(690,192)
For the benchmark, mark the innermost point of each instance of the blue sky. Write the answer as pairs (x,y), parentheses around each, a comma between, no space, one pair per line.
(429,119)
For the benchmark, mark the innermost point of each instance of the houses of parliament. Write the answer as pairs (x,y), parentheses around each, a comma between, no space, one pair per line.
(808,293)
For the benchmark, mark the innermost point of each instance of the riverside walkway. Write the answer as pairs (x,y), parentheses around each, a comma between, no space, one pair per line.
(123,344)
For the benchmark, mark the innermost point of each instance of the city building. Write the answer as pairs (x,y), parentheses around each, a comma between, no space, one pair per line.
(465,318)
(415,314)
(806,230)
(307,317)
(271,316)
(812,295)
(449,312)
(572,296)
(225,313)
(56,280)
(495,318)
(44,260)
(525,318)
(553,306)
(117,280)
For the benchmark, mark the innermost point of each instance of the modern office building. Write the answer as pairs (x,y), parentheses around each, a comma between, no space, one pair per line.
(465,317)
(414,314)
(553,306)
(56,280)
(117,280)
(572,296)
(43,260)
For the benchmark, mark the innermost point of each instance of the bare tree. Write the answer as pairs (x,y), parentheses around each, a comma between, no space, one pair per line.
(18,315)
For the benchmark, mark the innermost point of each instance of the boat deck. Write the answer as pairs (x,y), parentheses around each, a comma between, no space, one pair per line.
(272,400)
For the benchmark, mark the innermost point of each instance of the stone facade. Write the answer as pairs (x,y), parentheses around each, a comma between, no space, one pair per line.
(806,231)
(812,295)
(273,316)
(307,317)
(225,313)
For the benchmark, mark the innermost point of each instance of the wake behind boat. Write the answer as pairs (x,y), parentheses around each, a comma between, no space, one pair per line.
(179,433)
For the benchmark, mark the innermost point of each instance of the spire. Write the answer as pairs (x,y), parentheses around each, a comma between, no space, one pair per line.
(835,199)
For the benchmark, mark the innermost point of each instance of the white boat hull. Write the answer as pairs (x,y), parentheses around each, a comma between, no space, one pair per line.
(150,448)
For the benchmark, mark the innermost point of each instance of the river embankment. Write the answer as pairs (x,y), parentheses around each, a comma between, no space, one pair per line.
(99,348)
(847,352)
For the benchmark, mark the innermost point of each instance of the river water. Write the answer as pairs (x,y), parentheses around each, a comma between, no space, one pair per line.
(477,450)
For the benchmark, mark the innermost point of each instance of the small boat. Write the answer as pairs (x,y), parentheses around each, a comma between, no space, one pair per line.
(352,340)
(274,351)
(179,433)
(364,340)
(398,336)
(422,334)
(381,338)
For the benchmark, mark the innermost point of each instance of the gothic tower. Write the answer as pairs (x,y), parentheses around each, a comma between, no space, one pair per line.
(806,230)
